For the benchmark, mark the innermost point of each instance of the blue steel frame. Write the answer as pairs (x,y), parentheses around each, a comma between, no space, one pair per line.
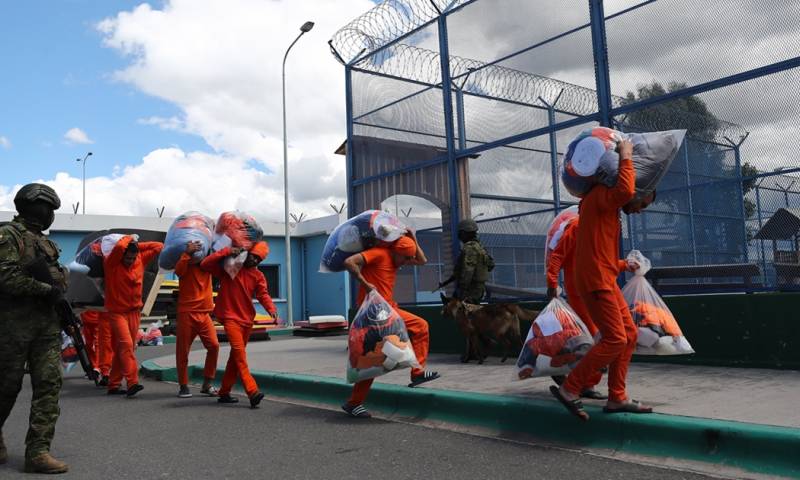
(605,115)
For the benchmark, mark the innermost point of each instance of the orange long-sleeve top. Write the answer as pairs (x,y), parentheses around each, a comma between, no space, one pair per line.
(235,296)
(195,289)
(597,253)
(123,285)
(563,257)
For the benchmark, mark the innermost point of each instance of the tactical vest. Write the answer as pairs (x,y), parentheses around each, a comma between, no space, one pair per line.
(484,266)
(32,246)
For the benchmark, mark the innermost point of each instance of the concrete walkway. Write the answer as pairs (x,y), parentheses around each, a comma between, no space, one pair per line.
(767,397)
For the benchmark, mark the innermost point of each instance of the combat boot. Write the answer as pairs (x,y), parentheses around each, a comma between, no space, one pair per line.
(45,463)
(3,451)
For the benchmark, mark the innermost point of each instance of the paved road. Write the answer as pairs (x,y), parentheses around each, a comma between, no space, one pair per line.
(160,436)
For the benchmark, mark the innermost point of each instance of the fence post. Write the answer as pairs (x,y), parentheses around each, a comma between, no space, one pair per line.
(349,286)
(761,241)
(462,124)
(738,160)
(600,49)
(447,101)
(691,204)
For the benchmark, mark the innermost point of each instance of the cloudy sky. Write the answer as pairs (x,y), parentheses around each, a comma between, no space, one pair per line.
(179,100)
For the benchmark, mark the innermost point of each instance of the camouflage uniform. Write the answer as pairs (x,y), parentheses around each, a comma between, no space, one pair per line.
(472,272)
(30,331)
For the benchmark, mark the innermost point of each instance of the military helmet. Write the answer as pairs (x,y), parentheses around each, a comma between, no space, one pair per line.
(37,191)
(468,225)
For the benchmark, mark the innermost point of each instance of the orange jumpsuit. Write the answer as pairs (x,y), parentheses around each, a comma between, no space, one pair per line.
(91,326)
(195,303)
(597,260)
(563,257)
(105,345)
(123,301)
(234,309)
(380,271)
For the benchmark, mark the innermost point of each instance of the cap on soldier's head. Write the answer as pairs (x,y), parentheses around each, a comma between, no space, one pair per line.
(468,225)
(37,191)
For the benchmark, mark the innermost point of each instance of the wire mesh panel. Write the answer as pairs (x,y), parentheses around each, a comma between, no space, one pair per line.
(523,78)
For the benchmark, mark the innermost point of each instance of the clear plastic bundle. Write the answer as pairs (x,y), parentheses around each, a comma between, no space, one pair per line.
(237,229)
(556,341)
(357,234)
(378,341)
(592,158)
(89,260)
(556,230)
(69,354)
(659,333)
(188,227)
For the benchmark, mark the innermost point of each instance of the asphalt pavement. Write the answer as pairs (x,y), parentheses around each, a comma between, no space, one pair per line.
(157,435)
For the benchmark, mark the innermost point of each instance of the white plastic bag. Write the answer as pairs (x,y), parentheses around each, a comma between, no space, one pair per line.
(659,333)
(556,341)
(378,341)
(357,234)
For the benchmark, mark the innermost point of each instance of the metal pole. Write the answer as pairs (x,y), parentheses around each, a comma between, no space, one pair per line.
(289,309)
(738,160)
(447,100)
(349,287)
(462,124)
(691,204)
(600,51)
(761,241)
(83,181)
(551,118)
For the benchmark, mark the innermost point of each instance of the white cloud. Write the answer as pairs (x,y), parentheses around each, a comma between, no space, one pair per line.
(76,135)
(182,181)
(5,142)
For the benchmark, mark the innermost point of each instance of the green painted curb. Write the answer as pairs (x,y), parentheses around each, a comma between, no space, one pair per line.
(757,448)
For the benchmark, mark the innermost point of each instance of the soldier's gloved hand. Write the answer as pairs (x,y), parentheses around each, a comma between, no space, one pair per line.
(54,296)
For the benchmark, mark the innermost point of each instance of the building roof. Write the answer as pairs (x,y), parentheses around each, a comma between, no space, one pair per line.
(783,225)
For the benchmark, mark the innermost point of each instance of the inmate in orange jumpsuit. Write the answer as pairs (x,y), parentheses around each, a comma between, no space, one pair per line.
(379,270)
(563,257)
(123,299)
(91,327)
(195,303)
(234,309)
(597,260)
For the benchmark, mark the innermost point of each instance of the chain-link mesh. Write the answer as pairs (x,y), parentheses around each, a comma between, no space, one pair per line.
(727,212)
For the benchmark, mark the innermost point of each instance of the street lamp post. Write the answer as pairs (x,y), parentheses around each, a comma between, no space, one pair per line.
(289,318)
(83,181)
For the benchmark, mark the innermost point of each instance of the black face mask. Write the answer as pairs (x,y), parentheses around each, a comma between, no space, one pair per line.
(39,214)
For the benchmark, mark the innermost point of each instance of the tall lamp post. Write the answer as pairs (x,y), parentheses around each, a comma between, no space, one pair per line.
(83,182)
(289,318)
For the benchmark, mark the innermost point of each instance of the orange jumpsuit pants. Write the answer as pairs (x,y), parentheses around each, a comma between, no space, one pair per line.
(124,327)
(238,336)
(420,339)
(610,313)
(91,334)
(576,302)
(105,346)
(191,325)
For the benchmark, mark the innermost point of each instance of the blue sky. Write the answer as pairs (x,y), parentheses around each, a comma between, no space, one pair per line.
(57,76)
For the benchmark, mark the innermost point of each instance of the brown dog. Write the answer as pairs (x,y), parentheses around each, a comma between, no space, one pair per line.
(482,324)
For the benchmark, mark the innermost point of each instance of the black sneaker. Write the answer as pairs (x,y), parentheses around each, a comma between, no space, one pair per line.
(184,392)
(103,381)
(227,399)
(425,377)
(255,399)
(134,389)
(116,391)
(356,411)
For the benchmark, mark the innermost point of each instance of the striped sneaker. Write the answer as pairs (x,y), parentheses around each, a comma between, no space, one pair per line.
(356,411)
(425,377)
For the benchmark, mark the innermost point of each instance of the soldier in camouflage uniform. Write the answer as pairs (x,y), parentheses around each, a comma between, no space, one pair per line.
(472,267)
(30,331)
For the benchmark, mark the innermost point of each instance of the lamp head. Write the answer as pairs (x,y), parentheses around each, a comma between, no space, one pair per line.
(307,27)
